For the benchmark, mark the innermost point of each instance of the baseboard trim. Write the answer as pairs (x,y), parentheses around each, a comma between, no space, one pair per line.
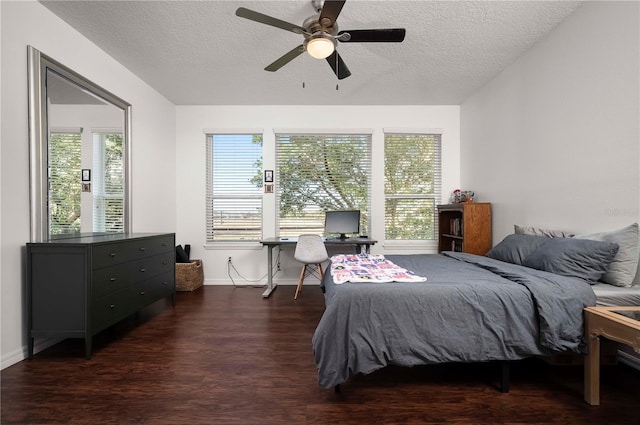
(13,357)
(20,354)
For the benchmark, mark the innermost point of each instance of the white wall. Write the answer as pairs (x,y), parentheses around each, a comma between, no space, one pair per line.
(251,258)
(554,140)
(153,145)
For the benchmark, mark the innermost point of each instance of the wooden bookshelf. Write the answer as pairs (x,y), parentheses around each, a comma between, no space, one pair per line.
(465,227)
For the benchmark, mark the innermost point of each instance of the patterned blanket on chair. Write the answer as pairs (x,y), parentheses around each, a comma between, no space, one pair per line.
(369,268)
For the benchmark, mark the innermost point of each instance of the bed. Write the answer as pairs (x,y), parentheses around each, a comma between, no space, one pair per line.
(614,296)
(470,308)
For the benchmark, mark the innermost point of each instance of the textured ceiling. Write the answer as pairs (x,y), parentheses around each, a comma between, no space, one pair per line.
(200,53)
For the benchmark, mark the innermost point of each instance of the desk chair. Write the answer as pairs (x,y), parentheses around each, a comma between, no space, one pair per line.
(310,251)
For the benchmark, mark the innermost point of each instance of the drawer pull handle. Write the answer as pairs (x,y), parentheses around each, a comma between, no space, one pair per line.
(165,283)
(164,263)
(143,270)
(112,306)
(142,248)
(112,254)
(112,279)
(165,244)
(141,292)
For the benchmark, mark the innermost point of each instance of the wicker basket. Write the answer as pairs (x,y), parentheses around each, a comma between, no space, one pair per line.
(189,276)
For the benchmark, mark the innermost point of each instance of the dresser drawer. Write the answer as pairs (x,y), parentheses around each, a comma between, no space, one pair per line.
(157,245)
(114,306)
(151,290)
(113,278)
(153,266)
(159,286)
(115,253)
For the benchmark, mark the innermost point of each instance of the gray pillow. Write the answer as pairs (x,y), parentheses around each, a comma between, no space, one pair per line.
(541,231)
(582,258)
(624,266)
(515,248)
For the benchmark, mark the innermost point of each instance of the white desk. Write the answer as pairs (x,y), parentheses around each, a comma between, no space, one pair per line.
(362,245)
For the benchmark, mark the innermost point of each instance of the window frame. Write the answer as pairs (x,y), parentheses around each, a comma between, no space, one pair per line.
(210,239)
(74,170)
(436,196)
(364,136)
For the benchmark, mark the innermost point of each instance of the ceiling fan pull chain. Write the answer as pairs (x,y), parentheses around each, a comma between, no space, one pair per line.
(337,73)
(303,69)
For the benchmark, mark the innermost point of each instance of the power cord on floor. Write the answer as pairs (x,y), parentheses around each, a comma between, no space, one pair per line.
(231,266)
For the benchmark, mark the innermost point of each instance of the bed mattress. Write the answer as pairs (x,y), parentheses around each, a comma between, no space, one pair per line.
(613,296)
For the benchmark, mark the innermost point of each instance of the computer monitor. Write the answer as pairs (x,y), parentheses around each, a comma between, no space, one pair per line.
(342,222)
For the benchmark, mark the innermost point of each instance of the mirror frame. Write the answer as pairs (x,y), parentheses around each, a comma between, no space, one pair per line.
(38,63)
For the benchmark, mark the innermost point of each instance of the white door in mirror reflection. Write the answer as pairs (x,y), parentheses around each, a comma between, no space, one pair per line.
(108,183)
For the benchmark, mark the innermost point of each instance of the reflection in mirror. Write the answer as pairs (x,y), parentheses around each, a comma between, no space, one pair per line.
(79,142)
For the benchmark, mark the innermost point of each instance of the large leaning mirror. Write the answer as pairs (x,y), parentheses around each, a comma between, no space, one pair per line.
(79,141)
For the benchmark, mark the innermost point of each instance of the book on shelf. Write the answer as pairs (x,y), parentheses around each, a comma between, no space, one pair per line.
(455,226)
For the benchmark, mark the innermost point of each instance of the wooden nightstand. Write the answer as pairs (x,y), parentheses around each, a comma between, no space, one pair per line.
(621,324)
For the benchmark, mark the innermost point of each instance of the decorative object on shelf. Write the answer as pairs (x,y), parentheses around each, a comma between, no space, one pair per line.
(459,196)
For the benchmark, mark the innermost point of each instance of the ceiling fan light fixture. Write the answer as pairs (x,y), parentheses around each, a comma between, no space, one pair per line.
(320,45)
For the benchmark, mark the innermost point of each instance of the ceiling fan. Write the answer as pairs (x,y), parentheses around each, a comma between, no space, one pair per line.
(321,34)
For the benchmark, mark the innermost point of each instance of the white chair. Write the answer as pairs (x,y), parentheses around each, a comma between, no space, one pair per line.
(310,251)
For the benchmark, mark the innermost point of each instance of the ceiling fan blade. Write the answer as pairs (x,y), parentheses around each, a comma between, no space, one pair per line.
(268,20)
(389,35)
(285,59)
(338,65)
(331,9)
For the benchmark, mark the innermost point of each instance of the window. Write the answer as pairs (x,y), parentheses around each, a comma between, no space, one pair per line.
(234,187)
(318,173)
(64,182)
(411,185)
(108,183)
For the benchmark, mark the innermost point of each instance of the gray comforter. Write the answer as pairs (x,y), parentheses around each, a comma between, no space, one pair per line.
(470,309)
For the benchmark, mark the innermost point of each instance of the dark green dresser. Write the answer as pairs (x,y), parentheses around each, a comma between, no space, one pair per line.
(79,286)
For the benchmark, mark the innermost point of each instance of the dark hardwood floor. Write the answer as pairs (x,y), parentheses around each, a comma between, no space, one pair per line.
(225,355)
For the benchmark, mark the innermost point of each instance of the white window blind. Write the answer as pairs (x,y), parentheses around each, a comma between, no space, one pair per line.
(64,182)
(108,182)
(321,172)
(412,180)
(234,187)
